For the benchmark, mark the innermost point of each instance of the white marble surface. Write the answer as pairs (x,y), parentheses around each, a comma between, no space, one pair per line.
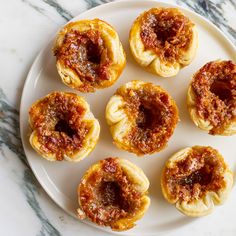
(26,26)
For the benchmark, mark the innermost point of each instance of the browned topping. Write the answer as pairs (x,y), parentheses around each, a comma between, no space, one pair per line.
(200,172)
(87,55)
(167,32)
(108,195)
(57,120)
(215,91)
(155,116)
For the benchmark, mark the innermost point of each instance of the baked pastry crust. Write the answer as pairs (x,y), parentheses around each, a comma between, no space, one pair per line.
(163,40)
(142,117)
(89,55)
(211,98)
(63,127)
(196,179)
(113,192)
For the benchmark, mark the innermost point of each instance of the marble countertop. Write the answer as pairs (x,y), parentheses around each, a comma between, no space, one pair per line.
(26,25)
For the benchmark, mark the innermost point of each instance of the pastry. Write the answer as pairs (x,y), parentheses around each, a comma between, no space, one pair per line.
(211,98)
(113,193)
(89,55)
(142,117)
(163,40)
(63,127)
(196,179)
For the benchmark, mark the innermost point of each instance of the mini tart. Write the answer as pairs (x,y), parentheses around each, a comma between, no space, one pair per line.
(196,179)
(163,40)
(113,193)
(142,117)
(211,98)
(63,127)
(89,55)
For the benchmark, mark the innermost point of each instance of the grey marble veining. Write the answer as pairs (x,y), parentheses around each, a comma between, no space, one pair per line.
(213,10)
(9,115)
(9,128)
(92,3)
(63,12)
(10,137)
(30,188)
(66,15)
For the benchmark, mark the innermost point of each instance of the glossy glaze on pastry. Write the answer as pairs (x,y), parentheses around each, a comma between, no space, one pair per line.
(142,117)
(89,55)
(63,127)
(211,98)
(113,193)
(196,179)
(163,40)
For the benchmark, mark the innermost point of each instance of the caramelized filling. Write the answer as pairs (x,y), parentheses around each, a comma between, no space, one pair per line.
(154,115)
(86,54)
(63,126)
(107,195)
(146,118)
(201,177)
(93,53)
(215,91)
(58,122)
(200,172)
(166,32)
(110,194)
(222,90)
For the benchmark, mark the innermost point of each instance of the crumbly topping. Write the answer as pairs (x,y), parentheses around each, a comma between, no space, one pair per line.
(108,194)
(166,32)
(201,171)
(87,55)
(154,115)
(57,121)
(214,87)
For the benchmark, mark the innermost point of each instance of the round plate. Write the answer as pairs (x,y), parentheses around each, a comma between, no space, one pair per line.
(60,179)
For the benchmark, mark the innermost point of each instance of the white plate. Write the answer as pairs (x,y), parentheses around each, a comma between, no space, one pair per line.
(60,179)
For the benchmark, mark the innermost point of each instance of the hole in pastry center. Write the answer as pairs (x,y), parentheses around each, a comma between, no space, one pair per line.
(221,89)
(63,126)
(167,28)
(164,33)
(146,117)
(110,193)
(93,52)
(200,176)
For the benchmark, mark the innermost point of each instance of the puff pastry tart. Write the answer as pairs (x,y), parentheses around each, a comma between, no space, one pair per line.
(113,193)
(63,127)
(211,98)
(142,117)
(163,40)
(89,55)
(196,179)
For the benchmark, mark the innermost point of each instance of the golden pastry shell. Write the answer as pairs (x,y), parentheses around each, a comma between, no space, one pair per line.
(230,129)
(112,43)
(206,204)
(140,183)
(120,124)
(149,60)
(89,143)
